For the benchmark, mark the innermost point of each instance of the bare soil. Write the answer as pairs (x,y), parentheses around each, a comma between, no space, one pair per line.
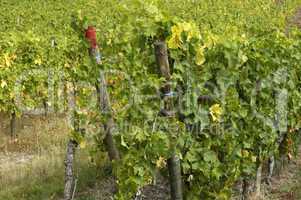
(286,185)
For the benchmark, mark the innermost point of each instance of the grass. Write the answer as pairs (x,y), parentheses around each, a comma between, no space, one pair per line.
(32,168)
(297,188)
(42,182)
(293,186)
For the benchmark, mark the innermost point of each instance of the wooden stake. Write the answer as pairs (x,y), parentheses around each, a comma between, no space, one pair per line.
(70,154)
(258,179)
(105,108)
(174,165)
(13,125)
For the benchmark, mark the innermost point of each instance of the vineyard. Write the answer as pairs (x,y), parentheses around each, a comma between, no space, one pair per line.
(202,98)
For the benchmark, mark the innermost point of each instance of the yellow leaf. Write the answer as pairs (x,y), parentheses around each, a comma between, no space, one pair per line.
(192,31)
(149,180)
(38,61)
(175,41)
(200,56)
(3,84)
(245,153)
(161,162)
(12,95)
(82,144)
(13,57)
(186,26)
(254,158)
(176,29)
(7,60)
(216,112)
(66,65)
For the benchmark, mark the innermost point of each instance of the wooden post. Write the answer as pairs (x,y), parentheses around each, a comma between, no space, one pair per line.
(174,165)
(70,154)
(175,177)
(103,98)
(105,108)
(13,125)
(65,99)
(69,170)
(102,95)
(246,189)
(45,105)
(258,179)
(271,165)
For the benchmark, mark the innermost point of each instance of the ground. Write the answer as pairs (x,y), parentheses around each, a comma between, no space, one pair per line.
(32,167)
(287,184)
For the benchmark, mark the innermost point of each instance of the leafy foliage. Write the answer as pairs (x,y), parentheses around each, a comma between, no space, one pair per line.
(236,53)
